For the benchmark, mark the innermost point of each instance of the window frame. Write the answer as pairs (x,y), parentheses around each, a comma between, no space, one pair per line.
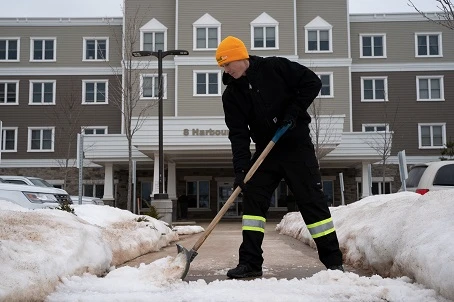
(85,128)
(7,40)
(385,87)
(32,49)
(206,72)
(198,180)
(3,139)
(373,56)
(331,85)
(431,125)
(42,82)
(427,34)
(153,33)
(96,59)
(263,21)
(2,82)
(386,125)
(430,99)
(96,81)
(206,27)
(154,76)
(29,139)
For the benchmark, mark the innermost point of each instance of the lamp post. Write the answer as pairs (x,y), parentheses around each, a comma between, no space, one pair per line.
(160,55)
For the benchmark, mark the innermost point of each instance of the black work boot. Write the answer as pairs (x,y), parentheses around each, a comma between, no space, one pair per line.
(336,267)
(243,271)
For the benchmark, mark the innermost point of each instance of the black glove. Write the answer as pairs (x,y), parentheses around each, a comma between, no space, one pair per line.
(289,119)
(239,180)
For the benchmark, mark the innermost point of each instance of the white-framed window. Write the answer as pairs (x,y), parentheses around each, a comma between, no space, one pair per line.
(207,83)
(206,33)
(95,91)
(428,45)
(9,49)
(374,89)
(41,139)
(375,127)
(96,49)
(153,36)
(198,193)
(377,186)
(430,88)
(372,45)
(8,139)
(432,135)
(9,92)
(149,86)
(93,189)
(42,92)
(264,33)
(95,130)
(318,36)
(43,49)
(327,84)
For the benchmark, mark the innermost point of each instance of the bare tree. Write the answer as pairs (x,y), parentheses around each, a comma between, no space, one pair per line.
(127,89)
(445,17)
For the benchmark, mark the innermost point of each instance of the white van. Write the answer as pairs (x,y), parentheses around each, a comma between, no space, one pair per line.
(432,176)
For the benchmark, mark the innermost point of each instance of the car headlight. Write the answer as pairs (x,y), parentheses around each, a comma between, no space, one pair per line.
(40,197)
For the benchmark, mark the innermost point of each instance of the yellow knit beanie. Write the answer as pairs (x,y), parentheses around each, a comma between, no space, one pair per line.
(231,49)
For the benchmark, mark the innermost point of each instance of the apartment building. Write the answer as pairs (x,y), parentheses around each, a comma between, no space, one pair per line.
(379,87)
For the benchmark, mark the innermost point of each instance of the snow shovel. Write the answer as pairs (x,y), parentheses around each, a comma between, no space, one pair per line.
(190,255)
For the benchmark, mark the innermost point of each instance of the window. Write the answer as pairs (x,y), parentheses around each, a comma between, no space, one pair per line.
(430,88)
(95,130)
(432,136)
(95,92)
(40,139)
(264,32)
(377,188)
(327,85)
(328,190)
(198,192)
(8,139)
(9,92)
(373,45)
(42,92)
(9,49)
(93,190)
(374,89)
(150,86)
(153,36)
(318,34)
(207,31)
(428,45)
(96,49)
(43,49)
(375,127)
(207,83)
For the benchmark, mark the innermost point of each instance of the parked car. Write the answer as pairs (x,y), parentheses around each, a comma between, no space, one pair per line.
(33,197)
(36,181)
(431,176)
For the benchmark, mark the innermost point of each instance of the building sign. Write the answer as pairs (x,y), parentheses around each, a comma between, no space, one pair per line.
(204,132)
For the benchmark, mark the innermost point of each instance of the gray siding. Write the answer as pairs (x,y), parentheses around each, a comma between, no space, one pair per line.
(403,112)
(400,41)
(69,100)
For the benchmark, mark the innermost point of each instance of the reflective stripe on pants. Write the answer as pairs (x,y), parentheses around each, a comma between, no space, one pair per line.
(321,228)
(254,223)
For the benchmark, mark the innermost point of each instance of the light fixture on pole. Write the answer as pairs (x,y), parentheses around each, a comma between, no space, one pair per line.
(160,55)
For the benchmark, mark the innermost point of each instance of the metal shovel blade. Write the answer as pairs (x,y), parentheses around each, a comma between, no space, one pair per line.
(189,256)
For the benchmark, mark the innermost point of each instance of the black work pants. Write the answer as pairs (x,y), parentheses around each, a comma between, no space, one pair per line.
(299,168)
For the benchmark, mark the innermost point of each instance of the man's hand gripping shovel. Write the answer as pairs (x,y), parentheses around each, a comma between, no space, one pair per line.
(191,254)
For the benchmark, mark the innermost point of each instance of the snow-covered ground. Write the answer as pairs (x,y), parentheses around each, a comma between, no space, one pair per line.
(53,255)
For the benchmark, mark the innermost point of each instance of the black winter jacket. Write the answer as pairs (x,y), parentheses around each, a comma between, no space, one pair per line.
(255,104)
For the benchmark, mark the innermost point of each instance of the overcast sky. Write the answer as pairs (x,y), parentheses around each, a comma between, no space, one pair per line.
(103,8)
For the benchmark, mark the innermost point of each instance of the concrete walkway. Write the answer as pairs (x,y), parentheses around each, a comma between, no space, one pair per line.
(285,257)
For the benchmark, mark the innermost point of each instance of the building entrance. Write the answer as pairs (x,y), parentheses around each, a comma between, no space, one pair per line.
(225,189)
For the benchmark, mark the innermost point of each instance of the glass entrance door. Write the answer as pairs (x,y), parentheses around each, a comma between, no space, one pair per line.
(225,189)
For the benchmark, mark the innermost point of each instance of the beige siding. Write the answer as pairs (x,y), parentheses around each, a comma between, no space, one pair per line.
(400,41)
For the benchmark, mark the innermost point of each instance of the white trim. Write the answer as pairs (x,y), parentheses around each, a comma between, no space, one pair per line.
(32,48)
(385,84)
(263,21)
(42,163)
(42,103)
(37,21)
(443,134)
(318,24)
(95,81)
(430,99)
(2,142)
(392,17)
(439,66)
(372,35)
(17,92)
(152,27)
(18,49)
(426,34)
(54,71)
(205,22)
(206,72)
(96,59)
(29,142)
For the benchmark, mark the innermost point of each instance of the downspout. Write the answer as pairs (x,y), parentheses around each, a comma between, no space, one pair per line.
(176,47)
(295,27)
(350,67)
